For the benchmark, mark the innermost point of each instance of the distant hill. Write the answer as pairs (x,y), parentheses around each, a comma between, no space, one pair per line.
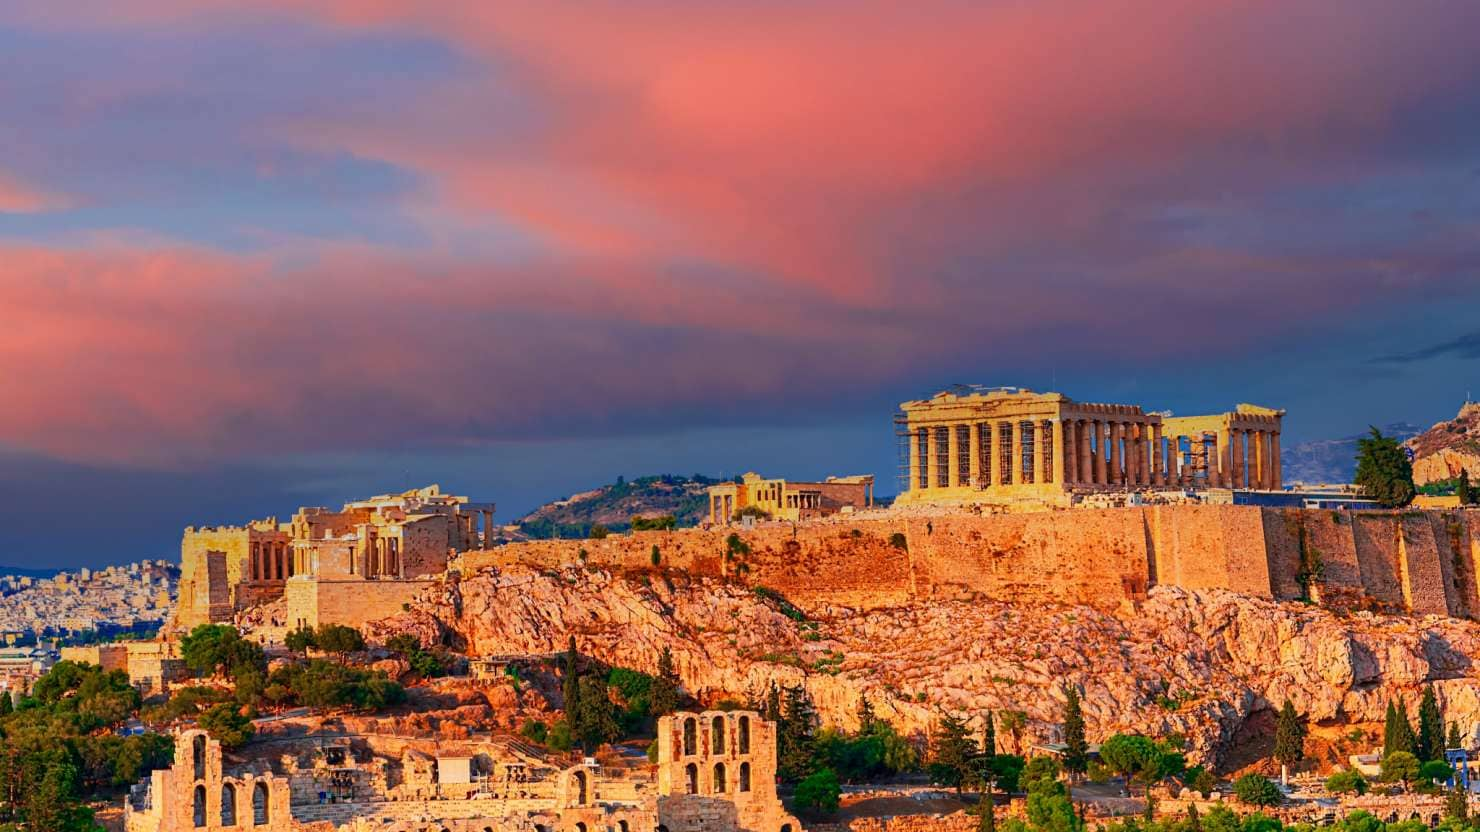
(29,572)
(1332,460)
(615,505)
(1445,449)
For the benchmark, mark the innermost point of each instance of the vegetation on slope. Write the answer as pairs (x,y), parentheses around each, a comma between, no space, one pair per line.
(614,506)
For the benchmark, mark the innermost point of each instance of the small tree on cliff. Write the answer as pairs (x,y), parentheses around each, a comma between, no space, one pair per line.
(663,696)
(1076,749)
(1289,740)
(1462,489)
(1383,470)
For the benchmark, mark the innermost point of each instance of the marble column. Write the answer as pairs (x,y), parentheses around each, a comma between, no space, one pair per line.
(1112,458)
(914,439)
(1042,441)
(1097,451)
(1256,460)
(932,458)
(953,456)
(974,449)
(1063,467)
(1017,452)
(1236,456)
(1086,459)
(1158,457)
(1276,477)
(1136,452)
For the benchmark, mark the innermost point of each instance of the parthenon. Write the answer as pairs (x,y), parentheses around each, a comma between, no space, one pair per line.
(1009,444)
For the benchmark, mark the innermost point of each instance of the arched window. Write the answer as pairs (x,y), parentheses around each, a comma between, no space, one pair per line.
(621,826)
(200,806)
(228,805)
(691,778)
(579,781)
(743,740)
(785,827)
(717,741)
(690,737)
(580,826)
(744,777)
(198,754)
(259,804)
(719,778)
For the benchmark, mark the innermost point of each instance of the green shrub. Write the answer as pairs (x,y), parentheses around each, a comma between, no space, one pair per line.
(819,792)
(898,541)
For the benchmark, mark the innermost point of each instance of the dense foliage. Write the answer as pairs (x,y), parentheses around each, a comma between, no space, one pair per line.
(56,747)
(323,684)
(1383,470)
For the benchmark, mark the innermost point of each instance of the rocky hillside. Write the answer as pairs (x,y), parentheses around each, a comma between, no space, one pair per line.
(1332,460)
(1209,666)
(1445,449)
(615,505)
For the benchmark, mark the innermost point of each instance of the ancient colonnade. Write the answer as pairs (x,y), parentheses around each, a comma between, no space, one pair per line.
(270,560)
(1101,452)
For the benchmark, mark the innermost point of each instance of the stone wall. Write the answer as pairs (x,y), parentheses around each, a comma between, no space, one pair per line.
(314,601)
(1423,562)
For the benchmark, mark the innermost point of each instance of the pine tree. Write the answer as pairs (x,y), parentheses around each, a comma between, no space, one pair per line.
(1289,740)
(663,698)
(796,748)
(1076,749)
(594,720)
(1430,727)
(570,682)
(1462,490)
(866,718)
(953,750)
(1383,470)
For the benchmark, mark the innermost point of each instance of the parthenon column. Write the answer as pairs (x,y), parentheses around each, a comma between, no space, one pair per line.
(1256,460)
(974,455)
(914,439)
(1063,466)
(932,458)
(953,456)
(1086,459)
(1236,456)
(1158,457)
(1276,480)
(1112,458)
(989,440)
(1017,452)
(1097,451)
(1042,440)
(1135,453)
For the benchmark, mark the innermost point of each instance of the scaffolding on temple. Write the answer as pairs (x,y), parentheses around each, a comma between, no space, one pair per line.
(902,439)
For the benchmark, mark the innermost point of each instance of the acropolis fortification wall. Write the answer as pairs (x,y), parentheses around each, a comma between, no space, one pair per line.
(1416,561)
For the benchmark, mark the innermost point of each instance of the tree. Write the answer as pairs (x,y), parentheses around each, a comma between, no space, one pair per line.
(1430,727)
(1462,488)
(1454,741)
(595,720)
(1076,749)
(1349,781)
(339,639)
(1434,771)
(989,737)
(663,696)
(226,723)
(796,756)
(819,792)
(219,648)
(1399,767)
(570,678)
(1289,740)
(657,556)
(7,705)
(300,639)
(952,751)
(1049,808)
(1257,790)
(865,715)
(1397,732)
(1383,470)
(1134,757)
(1457,805)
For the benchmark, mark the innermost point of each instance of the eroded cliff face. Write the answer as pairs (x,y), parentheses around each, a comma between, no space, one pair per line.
(1207,665)
(1449,447)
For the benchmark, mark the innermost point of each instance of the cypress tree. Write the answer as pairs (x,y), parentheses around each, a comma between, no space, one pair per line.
(1462,490)
(1454,738)
(1407,740)
(953,752)
(1390,730)
(7,705)
(1430,727)
(663,699)
(1076,749)
(1289,740)
(989,738)
(772,711)
(1194,823)
(866,718)
(796,751)
(570,682)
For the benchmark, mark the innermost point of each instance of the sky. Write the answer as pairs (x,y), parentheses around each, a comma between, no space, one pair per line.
(256,255)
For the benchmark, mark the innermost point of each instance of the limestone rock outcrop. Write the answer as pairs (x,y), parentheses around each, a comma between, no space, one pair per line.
(1208,665)
(1449,447)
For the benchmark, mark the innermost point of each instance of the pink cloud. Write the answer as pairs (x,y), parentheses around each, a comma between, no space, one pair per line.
(18,198)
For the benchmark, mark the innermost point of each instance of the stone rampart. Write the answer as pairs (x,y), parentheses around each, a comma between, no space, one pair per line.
(1417,561)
